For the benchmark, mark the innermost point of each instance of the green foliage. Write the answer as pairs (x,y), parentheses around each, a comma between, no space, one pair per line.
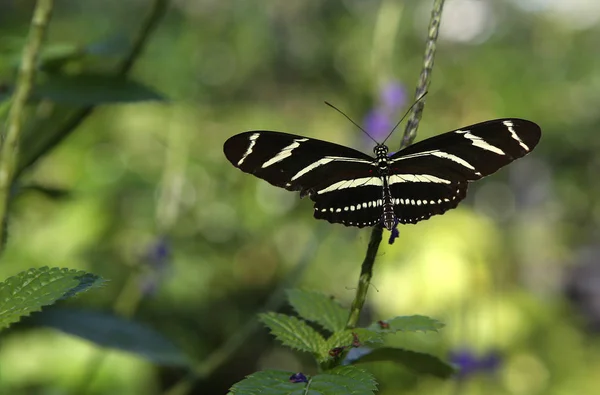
(418,362)
(297,334)
(294,333)
(93,89)
(107,330)
(319,308)
(413,323)
(30,290)
(90,90)
(339,381)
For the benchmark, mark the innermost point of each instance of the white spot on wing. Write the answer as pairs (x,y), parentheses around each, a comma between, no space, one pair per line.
(514,134)
(252,139)
(480,143)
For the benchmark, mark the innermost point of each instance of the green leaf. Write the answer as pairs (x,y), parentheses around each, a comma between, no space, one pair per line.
(346,380)
(319,308)
(56,55)
(107,330)
(413,323)
(293,332)
(93,89)
(368,337)
(345,338)
(28,291)
(418,362)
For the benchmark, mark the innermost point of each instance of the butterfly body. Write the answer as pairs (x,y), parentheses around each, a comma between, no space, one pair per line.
(356,189)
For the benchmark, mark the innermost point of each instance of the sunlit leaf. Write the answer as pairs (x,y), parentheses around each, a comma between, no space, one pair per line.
(344,380)
(107,330)
(413,323)
(30,290)
(294,332)
(418,362)
(319,308)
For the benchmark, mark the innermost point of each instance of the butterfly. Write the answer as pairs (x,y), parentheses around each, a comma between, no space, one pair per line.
(355,189)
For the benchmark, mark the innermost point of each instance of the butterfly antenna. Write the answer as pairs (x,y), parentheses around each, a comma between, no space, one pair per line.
(404,116)
(348,118)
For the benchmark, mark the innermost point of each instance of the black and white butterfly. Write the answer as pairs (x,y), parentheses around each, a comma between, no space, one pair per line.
(355,189)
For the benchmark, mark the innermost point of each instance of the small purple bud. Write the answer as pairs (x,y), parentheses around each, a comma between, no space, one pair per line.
(158,253)
(470,364)
(298,378)
(394,234)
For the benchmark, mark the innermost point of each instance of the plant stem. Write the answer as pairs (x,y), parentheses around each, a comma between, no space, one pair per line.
(410,132)
(366,272)
(14,122)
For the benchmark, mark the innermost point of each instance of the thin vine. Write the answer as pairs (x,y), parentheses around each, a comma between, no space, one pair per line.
(410,132)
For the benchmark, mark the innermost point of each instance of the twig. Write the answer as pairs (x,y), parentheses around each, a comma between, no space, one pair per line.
(14,122)
(366,271)
(410,132)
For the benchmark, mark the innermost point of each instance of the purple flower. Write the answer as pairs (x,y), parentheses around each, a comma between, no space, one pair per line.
(393,96)
(158,253)
(378,124)
(298,378)
(156,259)
(470,364)
(381,119)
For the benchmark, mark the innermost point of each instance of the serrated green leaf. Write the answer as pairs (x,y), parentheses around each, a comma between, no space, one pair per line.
(346,380)
(319,308)
(293,332)
(268,382)
(418,362)
(413,323)
(368,337)
(92,89)
(28,291)
(345,338)
(107,330)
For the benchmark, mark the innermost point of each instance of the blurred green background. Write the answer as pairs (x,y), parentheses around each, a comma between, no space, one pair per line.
(194,248)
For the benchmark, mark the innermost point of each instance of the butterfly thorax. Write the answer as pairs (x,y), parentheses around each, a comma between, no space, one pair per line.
(382,160)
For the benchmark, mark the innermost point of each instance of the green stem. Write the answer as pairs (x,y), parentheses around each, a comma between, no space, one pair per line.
(14,122)
(366,271)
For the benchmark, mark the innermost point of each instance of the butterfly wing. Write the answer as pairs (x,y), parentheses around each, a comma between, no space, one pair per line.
(340,180)
(431,176)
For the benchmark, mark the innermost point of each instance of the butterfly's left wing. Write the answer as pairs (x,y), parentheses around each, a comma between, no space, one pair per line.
(431,176)
(342,182)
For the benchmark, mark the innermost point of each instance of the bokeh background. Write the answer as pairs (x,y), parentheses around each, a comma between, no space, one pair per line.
(194,248)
